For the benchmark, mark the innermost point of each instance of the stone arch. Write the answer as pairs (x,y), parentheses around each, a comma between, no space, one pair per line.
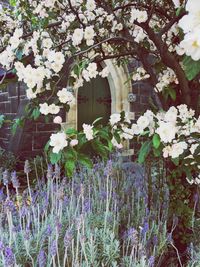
(120,86)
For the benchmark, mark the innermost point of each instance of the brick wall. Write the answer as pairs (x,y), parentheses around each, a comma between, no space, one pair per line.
(30,140)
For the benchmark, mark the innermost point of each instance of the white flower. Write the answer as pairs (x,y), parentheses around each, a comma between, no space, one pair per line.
(177,149)
(73,142)
(90,5)
(190,181)
(66,97)
(89,33)
(44,108)
(176,3)
(136,129)
(53,109)
(193,148)
(191,44)
(104,73)
(92,70)
(57,120)
(58,142)
(142,122)
(171,115)
(116,144)
(167,151)
(167,131)
(115,118)
(30,94)
(127,133)
(140,16)
(88,131)
(77,37)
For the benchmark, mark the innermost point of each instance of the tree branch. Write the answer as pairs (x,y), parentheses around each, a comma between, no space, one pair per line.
(170,61)
(171,23)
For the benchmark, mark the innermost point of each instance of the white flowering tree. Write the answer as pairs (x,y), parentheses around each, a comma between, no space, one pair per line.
(53,44)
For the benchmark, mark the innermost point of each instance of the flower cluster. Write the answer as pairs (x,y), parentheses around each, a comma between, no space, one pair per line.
(175,133)
(165,78)
(140,74)
(190,24)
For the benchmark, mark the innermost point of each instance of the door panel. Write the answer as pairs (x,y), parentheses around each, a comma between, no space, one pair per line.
(94,101)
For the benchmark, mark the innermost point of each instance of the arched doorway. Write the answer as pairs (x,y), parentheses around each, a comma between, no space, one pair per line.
(119,86)
(94,101)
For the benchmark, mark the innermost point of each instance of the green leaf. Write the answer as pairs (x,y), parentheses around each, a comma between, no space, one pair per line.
(13,2)
(36,113)
(175,161)
(144,151)
(117,137)
(97,120)
(71,131)
(71,154)
(19,54)
(156,152)
(172,93)
(85,160)
(2,119)
(55,157)
(19,122)
(100,148)
(156,141)
(46,148)
(191,67)
(104,134)
(69,167)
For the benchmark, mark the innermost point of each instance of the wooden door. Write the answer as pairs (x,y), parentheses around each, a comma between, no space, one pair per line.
(94,101)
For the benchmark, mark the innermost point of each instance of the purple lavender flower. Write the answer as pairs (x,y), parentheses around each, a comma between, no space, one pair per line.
(9,257)
(49,171)
(103,195)
(48,231)
(27,234)
(2,196)
(9,205)
(16,229)
(1,246)
(155,240)
(57,171)
(68,238)
(196,197)
(15,180)
(145,228)
(27,167)
(132,235)
(24,210)
(53,248)
(6,177)
(169,237)
(108,168)
(66,201)
(87,206)
(151,261)
(42,258)
(58,225)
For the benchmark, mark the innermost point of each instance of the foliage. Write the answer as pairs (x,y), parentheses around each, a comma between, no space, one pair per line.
(97,217)
(7,160)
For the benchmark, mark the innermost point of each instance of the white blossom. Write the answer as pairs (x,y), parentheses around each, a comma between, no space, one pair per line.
(88,131)
(58,142)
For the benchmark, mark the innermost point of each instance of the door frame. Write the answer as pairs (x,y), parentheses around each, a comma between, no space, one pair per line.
(120,85)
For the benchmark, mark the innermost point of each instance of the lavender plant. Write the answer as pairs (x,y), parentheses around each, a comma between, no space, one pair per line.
(99,217)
